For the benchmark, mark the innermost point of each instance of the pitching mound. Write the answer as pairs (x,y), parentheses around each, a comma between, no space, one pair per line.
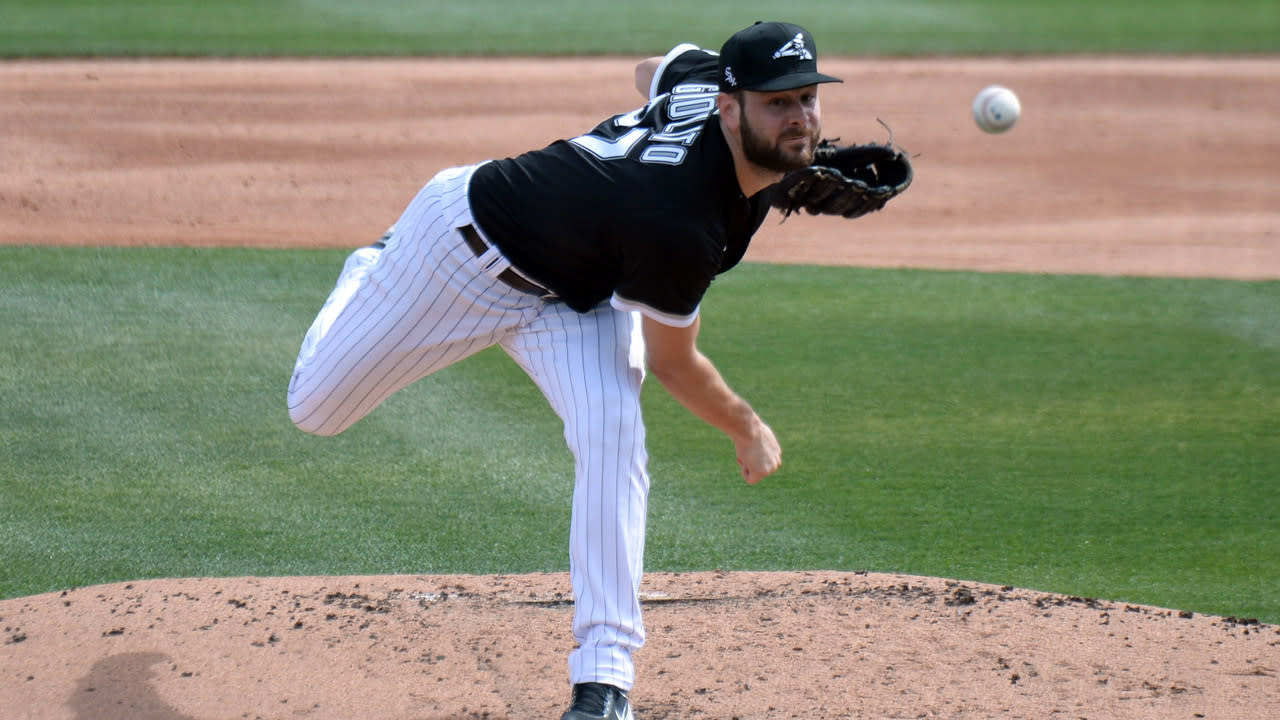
(722,645)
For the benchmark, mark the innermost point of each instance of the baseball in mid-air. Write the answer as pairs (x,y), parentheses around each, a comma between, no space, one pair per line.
(996,109)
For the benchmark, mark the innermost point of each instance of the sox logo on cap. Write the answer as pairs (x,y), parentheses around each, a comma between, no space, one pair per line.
(794,48)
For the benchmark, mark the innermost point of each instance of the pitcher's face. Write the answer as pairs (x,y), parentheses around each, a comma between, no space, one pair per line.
(780,130)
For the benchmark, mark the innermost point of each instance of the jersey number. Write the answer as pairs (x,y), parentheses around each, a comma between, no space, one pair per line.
(688,109)
(621,146)
(607,149)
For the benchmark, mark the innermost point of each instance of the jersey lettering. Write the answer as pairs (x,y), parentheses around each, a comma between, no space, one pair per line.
(699,106)
(675,134)
(664,154)
(701,88)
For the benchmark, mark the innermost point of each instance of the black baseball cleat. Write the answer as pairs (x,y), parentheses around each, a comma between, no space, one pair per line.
(596,701)
(382,242)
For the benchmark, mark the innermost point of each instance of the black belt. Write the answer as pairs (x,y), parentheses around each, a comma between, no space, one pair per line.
(508,276)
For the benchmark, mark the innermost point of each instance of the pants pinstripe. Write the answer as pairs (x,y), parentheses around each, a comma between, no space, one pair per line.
(426,301)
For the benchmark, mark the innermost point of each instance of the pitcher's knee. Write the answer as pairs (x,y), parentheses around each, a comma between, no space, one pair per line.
(614,437)
(312,427)
(310,418)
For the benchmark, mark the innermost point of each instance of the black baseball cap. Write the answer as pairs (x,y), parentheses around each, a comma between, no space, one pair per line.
(770,56)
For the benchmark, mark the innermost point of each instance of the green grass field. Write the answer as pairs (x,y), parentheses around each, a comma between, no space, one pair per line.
(855,27)
(1104,437)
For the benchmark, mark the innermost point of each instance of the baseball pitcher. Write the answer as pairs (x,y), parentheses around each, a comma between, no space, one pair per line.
(587,261)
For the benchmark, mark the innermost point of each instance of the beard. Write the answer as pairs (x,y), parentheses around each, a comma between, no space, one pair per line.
(760,151)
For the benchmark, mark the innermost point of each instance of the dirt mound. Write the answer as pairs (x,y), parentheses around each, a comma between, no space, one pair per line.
(722,645)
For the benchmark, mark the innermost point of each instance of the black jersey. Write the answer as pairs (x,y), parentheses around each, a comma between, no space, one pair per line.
(645,209)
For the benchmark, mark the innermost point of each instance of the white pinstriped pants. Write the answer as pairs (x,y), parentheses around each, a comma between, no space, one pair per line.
(425,302)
